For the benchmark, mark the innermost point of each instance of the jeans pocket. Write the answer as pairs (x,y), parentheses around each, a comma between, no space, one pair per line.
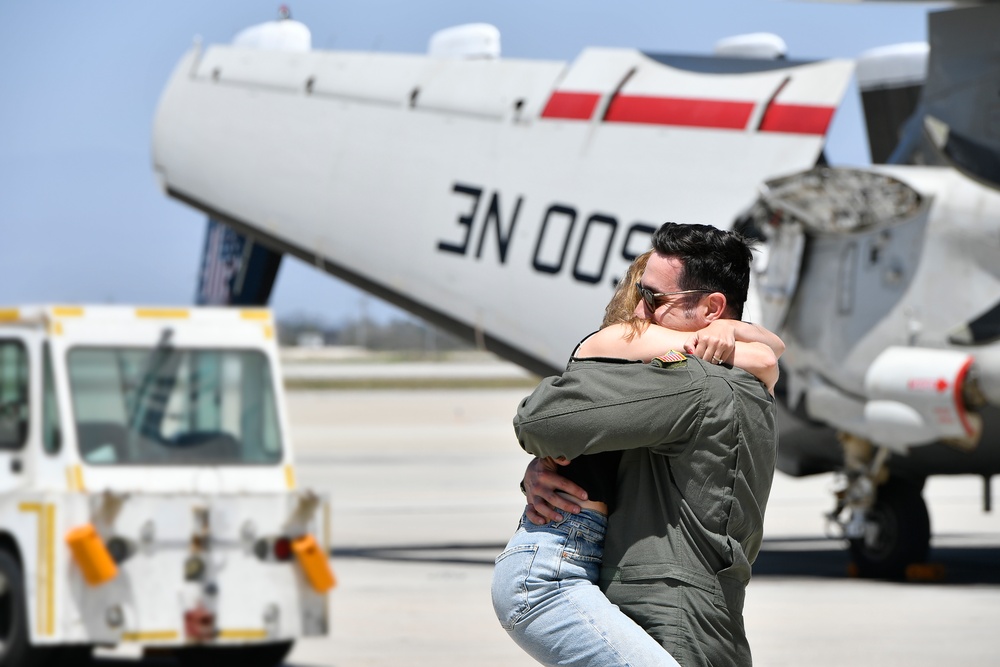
(585,549)
(509,589)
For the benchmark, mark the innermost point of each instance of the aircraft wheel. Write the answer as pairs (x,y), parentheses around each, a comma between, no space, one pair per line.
(897,532)
(15,647)
(251,655)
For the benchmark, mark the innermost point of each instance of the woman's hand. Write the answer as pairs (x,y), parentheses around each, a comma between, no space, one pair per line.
(715,343)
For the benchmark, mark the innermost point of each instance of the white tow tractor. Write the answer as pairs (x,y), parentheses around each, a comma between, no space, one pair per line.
(147,493)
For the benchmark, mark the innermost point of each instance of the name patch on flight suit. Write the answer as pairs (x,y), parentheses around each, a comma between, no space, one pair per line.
(669,360)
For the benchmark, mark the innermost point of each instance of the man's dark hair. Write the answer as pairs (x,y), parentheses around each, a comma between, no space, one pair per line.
(713,259)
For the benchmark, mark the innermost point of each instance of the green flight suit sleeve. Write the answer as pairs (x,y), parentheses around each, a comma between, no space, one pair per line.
(599,406)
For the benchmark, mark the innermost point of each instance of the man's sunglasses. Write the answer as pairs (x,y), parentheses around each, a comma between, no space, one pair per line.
(650,297)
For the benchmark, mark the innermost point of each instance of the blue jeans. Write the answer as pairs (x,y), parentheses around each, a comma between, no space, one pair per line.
(545,595)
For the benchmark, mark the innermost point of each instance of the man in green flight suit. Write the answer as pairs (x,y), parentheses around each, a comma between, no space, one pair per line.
(699,447)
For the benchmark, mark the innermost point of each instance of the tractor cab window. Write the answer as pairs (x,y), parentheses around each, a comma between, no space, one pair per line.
(171,406)
(13,394)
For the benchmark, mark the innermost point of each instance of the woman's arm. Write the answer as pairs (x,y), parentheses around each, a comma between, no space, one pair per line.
(722,339)
(756,349)
(730,330)
(618,342)
(759,360)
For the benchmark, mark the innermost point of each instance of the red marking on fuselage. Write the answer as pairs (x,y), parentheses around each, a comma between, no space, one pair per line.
(571,106)
(690,112)
(679,111)
(796,119)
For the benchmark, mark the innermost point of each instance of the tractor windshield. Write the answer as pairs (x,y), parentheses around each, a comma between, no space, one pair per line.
(173,406)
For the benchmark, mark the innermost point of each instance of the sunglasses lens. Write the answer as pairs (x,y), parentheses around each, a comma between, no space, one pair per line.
(647,296)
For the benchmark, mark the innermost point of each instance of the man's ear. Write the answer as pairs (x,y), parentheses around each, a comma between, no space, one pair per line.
(715,306)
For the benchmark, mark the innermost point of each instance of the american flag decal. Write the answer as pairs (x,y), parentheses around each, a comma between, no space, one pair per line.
(671,357)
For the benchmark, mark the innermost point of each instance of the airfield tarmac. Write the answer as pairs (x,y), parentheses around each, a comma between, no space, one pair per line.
(424,495)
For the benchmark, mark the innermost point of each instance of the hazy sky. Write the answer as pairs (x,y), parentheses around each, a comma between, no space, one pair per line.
(82,218)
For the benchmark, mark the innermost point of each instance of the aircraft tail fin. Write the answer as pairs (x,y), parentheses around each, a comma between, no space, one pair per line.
(891,80)
(235,271)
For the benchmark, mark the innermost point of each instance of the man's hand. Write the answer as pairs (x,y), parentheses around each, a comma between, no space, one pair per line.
(541,482)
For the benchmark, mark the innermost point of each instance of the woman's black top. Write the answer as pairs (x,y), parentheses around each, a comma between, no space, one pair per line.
(597,473)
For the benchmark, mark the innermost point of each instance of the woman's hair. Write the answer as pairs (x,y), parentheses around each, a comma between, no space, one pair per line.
(621,308)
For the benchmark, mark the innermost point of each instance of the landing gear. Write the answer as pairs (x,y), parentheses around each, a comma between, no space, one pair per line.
(884,518)
(896,532)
